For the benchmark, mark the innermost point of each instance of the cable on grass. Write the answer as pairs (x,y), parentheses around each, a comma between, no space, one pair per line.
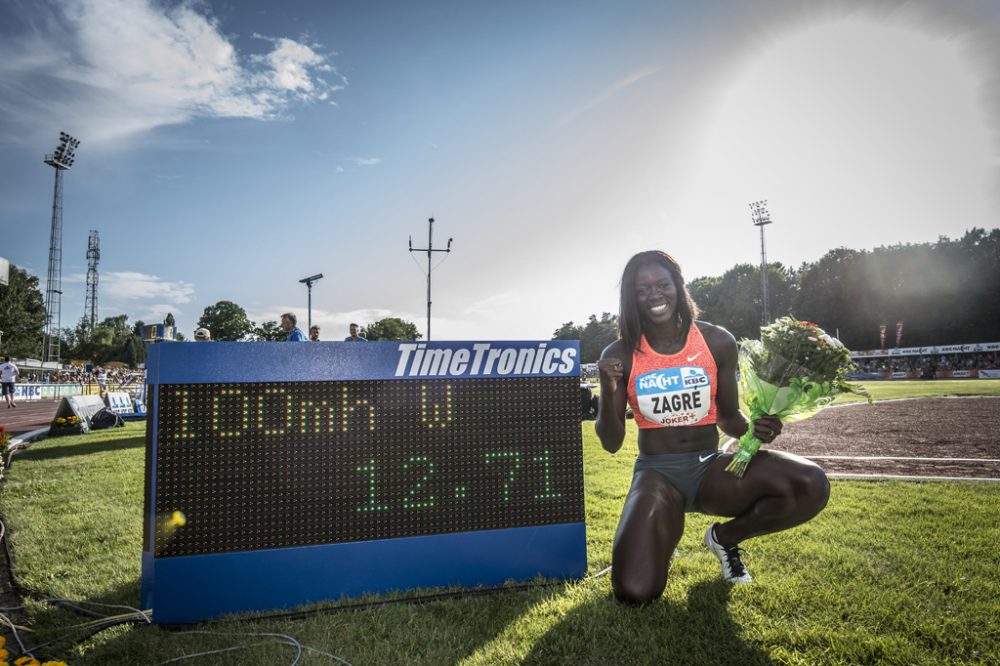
(194,655)
(600,573)
(281,638)
(93,628)
(13,629)
(70,603)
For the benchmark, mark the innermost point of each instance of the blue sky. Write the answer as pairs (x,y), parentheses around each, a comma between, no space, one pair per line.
(230,149)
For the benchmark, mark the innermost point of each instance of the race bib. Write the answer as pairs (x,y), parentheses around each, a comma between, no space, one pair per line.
(674,396)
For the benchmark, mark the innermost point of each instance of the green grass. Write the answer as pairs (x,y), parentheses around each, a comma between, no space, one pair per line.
(889,573)
(895,389)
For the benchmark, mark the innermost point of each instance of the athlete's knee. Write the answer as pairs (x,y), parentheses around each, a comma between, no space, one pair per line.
(635,592)
(813,487)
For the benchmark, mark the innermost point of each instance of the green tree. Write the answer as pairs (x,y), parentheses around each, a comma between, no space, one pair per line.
(22,315)
(169,319)
(227,321)
(269,331)
(594,336)
(734,300)
(391,328)
(568,331)
(132,351)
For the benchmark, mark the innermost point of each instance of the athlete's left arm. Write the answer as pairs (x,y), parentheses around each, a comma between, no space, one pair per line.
(730,420)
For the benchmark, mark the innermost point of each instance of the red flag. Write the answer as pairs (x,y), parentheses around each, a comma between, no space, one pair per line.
(881,335)
(899,332)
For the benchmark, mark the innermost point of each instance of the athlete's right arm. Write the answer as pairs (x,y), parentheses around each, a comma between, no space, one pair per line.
(613,367)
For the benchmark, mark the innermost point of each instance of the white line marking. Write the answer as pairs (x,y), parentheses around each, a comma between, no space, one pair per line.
(986,460)
(900,477)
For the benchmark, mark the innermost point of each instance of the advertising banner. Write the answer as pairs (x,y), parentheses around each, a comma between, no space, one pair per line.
(27,391)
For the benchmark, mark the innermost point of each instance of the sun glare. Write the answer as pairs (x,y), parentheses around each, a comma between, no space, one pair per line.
(857,128)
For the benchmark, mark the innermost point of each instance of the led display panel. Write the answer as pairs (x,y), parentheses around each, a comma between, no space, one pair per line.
(320,456)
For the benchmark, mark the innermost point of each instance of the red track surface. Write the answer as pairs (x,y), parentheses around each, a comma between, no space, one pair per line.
(28,415)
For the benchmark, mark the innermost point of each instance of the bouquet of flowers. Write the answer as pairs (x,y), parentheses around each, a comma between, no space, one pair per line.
(792,372)
(68,421)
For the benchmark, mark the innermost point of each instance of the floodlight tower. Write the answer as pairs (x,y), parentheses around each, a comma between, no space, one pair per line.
(429,249)
(93,256)
(60,160)
(760,216)
(308,282)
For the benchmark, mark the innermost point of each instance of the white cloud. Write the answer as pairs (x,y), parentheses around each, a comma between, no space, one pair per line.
(365,161)
(131,286)
(491,304)
(120,67)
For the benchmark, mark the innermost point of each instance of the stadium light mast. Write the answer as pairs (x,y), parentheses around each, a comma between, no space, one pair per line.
(429,250)
(308,282)
(60,160)
(761,218)
(90,304)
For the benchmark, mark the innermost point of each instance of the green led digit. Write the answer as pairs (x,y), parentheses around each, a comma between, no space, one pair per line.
(409,502)
(513,455)
(372,505)
(548,494)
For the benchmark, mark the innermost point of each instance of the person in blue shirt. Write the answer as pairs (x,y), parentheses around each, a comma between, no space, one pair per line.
(288,325)
(354,337)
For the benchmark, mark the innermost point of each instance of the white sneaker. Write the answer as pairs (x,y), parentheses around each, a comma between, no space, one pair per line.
(733,570)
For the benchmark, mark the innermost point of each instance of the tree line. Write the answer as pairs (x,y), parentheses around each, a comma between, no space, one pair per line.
(22,322)
(943,292)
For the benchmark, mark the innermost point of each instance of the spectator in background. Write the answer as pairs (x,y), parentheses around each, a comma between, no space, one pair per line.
(102,380)
(8,375)
(354,337)
(314,333)
(289,325)
(202,335)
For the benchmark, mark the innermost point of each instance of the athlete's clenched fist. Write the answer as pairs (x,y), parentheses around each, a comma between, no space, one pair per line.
(611,373)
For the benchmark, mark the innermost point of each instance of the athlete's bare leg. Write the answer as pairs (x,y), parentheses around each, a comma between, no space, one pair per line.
(651,525)
(778,491)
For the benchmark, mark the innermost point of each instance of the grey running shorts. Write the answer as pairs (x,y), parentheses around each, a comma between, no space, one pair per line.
(684,471)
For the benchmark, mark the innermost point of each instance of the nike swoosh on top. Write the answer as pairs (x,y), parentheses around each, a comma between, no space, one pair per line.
(691,358)
(710,455)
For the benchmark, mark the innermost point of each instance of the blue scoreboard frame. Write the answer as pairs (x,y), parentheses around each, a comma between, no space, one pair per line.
(282,474)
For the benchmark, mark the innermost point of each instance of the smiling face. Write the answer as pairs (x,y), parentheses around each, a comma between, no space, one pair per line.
(655,294)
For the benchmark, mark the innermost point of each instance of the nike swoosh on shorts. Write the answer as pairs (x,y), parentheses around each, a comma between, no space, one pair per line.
(710,455)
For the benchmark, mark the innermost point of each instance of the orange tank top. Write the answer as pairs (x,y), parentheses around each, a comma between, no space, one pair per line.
(676,389)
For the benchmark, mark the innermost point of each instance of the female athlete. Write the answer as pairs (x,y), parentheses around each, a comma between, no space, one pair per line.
(679,377)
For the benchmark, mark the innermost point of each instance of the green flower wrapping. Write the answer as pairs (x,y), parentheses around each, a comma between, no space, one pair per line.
(792,372)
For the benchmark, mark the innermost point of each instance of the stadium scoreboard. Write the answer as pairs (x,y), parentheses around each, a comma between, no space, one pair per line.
(285,474)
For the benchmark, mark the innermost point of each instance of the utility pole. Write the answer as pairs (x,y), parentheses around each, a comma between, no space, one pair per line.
(429,249)
(761,218)
(60,160)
